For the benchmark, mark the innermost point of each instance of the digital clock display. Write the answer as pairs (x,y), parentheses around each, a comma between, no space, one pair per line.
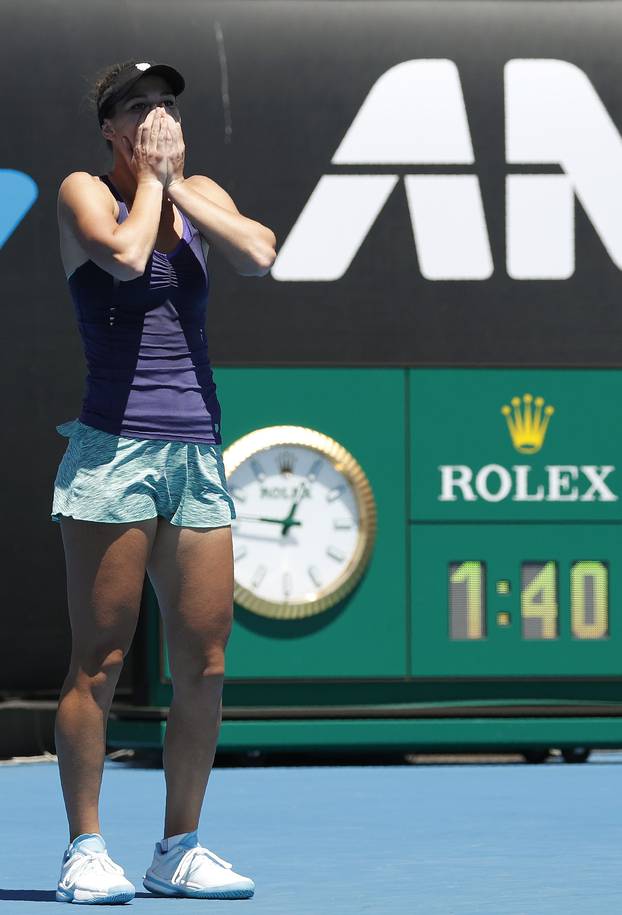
(516,520)
(537,604)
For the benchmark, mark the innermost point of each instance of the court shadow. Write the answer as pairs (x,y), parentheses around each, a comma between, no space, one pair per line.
(28,895)
(49,895)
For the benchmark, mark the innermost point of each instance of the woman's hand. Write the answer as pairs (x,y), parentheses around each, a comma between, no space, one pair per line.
(148,158)
(176,152)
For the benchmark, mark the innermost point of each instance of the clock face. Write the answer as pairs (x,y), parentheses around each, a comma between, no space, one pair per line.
(301,527)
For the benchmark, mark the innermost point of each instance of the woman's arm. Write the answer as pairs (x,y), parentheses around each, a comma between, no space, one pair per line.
(84,204)
(247,244)
(122,250)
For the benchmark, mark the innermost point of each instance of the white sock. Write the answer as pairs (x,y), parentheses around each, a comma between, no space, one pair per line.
(171,841)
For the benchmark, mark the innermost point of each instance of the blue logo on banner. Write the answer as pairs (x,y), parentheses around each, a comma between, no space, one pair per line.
(18,192)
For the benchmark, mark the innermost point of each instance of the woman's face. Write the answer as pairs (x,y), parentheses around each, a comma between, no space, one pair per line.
(150,91)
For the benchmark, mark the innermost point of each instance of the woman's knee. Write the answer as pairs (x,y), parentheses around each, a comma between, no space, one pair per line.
(97,669)
(199,668)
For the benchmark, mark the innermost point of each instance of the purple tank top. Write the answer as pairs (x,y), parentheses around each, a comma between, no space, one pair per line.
(149,373)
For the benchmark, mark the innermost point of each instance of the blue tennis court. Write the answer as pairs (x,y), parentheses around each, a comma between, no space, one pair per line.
(440,839)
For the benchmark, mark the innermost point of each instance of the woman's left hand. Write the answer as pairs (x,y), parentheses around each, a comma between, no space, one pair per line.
(176,154)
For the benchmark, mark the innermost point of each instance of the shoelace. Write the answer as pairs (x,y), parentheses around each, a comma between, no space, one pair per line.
(182,871)
(90,857)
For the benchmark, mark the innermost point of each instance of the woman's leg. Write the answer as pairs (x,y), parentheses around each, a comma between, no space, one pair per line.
(191,570)
(105,565)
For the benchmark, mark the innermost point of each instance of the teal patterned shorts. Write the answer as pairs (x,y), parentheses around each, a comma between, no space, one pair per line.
(106,477)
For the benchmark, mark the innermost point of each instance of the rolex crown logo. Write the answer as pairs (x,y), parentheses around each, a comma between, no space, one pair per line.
(527,424)
(286,461)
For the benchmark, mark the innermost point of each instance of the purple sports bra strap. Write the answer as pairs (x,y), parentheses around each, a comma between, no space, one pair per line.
(123,211)
(112,187)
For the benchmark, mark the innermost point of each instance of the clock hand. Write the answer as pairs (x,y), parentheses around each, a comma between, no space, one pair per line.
(288,521)
(261,518)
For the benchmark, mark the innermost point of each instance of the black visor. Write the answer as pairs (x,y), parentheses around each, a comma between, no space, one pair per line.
(130,75)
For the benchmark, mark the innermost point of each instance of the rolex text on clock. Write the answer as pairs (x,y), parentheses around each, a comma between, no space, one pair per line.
(306,521)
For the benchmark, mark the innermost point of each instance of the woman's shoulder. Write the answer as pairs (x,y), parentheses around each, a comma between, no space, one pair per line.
(78,187)
(80,181)
(212,190)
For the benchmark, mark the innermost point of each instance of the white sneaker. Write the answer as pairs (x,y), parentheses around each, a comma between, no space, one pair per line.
(188,869)
(89,876)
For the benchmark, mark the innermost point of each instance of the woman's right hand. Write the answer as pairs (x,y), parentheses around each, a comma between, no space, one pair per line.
(149,157)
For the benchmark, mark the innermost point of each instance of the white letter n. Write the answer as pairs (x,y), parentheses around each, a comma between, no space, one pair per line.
(554,115)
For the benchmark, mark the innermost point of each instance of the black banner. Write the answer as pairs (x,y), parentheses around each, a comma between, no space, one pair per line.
(444,180)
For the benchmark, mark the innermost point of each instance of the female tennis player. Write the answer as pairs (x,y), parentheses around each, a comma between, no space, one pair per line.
(141,486)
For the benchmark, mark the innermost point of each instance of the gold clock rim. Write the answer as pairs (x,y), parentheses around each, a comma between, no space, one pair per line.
(272,436)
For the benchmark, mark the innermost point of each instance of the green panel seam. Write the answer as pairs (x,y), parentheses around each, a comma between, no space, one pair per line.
(407,532)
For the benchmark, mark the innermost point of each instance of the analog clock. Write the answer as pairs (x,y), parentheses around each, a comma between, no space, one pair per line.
(306,521)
